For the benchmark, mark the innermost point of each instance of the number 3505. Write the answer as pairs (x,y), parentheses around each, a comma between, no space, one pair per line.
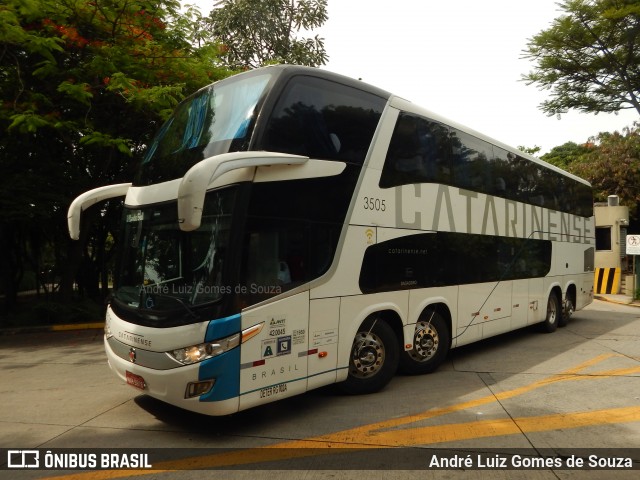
(372,203)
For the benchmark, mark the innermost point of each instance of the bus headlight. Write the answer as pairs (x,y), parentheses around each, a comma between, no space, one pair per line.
(203,351)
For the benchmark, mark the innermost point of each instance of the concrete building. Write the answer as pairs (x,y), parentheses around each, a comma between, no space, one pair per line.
(613,266)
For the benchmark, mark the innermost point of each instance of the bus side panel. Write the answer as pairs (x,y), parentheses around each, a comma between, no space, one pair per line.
(484,309)
(324,319)
(273,364)
(519,303)
(537,301)
(496,312)
(585,291)
(574,262)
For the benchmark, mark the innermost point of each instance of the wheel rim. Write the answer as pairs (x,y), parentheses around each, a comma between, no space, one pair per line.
(570,308)
(367,355)
(425,342)
(552,311)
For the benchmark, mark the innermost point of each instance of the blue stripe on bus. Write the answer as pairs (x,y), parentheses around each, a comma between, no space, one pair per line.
(225,368)
(222,327)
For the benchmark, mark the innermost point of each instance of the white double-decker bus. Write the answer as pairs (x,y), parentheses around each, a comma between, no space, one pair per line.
(291,228)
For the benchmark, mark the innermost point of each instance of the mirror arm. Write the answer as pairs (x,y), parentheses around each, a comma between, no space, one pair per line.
(87,199)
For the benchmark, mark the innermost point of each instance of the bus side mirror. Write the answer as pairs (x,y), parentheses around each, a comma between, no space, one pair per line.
(195,182)
(88,199)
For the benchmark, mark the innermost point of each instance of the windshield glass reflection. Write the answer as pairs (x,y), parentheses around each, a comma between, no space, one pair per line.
(164,268)
(215,120)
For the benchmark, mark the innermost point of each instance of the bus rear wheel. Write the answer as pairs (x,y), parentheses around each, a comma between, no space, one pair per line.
(566,313)
(431,343)
(554,313)
(374,357)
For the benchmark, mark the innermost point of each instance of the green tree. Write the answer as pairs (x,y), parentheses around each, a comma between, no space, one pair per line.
(530,150)
(255,33)
(83,84)
(611,163)
(566,155)
(589,58)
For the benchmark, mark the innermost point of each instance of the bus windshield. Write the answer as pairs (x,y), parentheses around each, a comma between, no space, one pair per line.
(217,119)
(162,268)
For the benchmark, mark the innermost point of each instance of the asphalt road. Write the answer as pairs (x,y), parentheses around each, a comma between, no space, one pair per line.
(524,395)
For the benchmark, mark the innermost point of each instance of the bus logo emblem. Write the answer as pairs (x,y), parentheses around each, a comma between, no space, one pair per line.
(132,355)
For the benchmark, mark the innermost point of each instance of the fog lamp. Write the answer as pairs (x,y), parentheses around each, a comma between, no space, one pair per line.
(195,389)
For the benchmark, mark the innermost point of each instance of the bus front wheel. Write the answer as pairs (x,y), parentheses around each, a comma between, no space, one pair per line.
(430,345)
(374,357)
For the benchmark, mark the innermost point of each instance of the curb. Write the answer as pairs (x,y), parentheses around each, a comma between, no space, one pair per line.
(51,328)
(630,303)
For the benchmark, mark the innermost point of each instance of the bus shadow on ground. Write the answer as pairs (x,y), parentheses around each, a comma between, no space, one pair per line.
(512,353)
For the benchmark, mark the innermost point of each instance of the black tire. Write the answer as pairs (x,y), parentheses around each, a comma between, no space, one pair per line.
(374,358)
(567,311)
(431,343)
(554,313)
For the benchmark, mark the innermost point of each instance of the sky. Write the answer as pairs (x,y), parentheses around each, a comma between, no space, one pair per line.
(461,60)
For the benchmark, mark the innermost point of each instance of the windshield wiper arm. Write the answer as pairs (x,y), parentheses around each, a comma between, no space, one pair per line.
(176,299)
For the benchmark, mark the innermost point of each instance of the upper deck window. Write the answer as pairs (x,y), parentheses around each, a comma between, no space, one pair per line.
(426,151)
(323,119)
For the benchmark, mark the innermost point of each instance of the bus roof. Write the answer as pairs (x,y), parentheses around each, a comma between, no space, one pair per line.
(285,71)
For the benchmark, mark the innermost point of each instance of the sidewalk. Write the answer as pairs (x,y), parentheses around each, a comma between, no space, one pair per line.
(51,328)
(619,299)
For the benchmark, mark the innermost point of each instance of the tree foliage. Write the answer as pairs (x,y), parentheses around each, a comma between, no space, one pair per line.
(611,163)
(566,155)
(530,150)
(83,85)
(589,58)
(254,33)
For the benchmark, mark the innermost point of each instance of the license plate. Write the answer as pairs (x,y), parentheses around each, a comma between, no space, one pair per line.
(135,380)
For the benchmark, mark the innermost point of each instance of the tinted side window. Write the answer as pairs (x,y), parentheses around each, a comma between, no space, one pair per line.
(448,258)
(284,253)
(471,162)
(292,232)
(419,152)
(425,151)
(501,166)
(322,119)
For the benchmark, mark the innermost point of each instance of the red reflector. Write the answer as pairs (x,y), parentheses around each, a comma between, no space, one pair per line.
(258,363)
(322,354)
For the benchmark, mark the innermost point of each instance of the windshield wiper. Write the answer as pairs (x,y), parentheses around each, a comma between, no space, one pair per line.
(170,297)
